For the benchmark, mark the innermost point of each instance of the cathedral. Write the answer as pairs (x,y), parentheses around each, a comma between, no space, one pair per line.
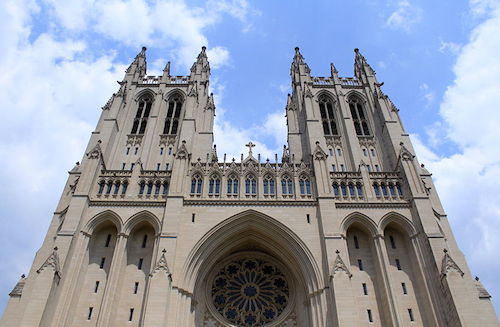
(154,228)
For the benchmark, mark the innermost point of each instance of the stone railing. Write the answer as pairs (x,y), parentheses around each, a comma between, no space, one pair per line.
(251,180)
(151,80)
(384,187)
(178,80)
(323,81)
(350,81)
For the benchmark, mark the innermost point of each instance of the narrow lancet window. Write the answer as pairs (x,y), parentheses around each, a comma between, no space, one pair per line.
(141,117)
(327,116)
(173,114)
(359,118)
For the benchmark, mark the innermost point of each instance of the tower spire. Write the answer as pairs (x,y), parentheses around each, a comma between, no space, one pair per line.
(298,64)
(361,66)
(138,67)
(201,66)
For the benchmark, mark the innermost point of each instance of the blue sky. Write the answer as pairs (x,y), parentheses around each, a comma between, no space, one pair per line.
(439,60)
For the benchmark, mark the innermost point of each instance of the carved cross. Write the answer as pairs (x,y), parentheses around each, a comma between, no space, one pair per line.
(250,145)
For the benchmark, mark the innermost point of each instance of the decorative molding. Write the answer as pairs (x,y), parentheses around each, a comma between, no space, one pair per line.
(162,265)
(449,264)
(53,262)
(17,291)
(126,203)
(167,139)
(246,203)
(318,153)
(339,265)
(333,140)
(372,205)
(96,151)
(134,139)
(182,151)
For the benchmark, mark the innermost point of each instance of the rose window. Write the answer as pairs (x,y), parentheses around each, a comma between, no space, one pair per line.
(250,292)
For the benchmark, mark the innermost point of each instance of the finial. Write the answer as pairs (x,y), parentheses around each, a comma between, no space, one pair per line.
(445,251)
(422,165)
(297,49)
(477,279)
(203,48)
(164,251)
(337,251)
(55,248)
(356,50)
(23,276)
(250,145)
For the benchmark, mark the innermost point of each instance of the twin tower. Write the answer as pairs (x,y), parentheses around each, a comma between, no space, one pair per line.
(153,229)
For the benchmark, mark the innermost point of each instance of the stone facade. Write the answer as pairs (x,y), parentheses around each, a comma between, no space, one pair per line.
(154,229)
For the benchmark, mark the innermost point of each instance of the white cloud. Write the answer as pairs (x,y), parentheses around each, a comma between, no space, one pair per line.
(428,94)
(468,181)
(452,47)
(404,17)
(140,22)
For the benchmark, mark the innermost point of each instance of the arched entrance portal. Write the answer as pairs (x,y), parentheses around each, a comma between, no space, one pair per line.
(251,270)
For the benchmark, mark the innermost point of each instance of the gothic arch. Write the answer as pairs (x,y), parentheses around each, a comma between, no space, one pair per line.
(237,231)
(145,92)
(355,94)
(175,91)
(399,220)
(142,217)
(101,218)
(356,217)
(328,94)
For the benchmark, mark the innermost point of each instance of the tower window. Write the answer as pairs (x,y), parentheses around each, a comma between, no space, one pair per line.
(158,166)
(150,188)
(333,168)
(398,264)
(373,152)
(123,166)
(304,185)
(161,151)
(108,239)
(359,118)
(101,187)
(196,184)
(127,151)
(342,167)
(403,286)
(96,287)
(141,118)
(136,150)
(117,187)
(286,185)
(173,115)
(131,315)
(214,185)
(165,188)
(327,116)
(410,313)
(169,151)
(336,191)
(136,287)
(393,244)
(364,152)
(365,289)
(356,242)
(144,241)
(124,188)
(331,151)
(343,188)
(157,188)
(269,185)
(359,189)
(339,152)
(377,168)
(89,315)
(250,185)
(360,264)
(370,318)
(103,259)
(139,265)
(232,185)
(376,189)
(308,218)
(132,166)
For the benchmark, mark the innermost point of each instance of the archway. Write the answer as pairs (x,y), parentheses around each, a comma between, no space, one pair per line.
(255,238)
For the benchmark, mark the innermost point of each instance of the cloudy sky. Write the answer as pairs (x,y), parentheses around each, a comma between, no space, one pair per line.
(60,61)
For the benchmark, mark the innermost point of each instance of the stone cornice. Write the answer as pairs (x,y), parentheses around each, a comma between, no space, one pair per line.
(127,203)
(250,203)
(372,205)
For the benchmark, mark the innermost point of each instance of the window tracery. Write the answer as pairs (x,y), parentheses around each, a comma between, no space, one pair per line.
(250,185)
(269,185)
(359,117)
(214,185)
(305,185)
(327,115)
(250,292)
(173,114)
(141,117)
(196,184)
(232,185)
(286,185)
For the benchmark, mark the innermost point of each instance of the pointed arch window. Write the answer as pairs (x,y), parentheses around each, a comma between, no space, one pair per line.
(214,185)
(359,117)
(327,116)
(286,185)
(174,107)
(232,185)
(250,185)
(269,185)
(141,117)
(196,184)
(304,185)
